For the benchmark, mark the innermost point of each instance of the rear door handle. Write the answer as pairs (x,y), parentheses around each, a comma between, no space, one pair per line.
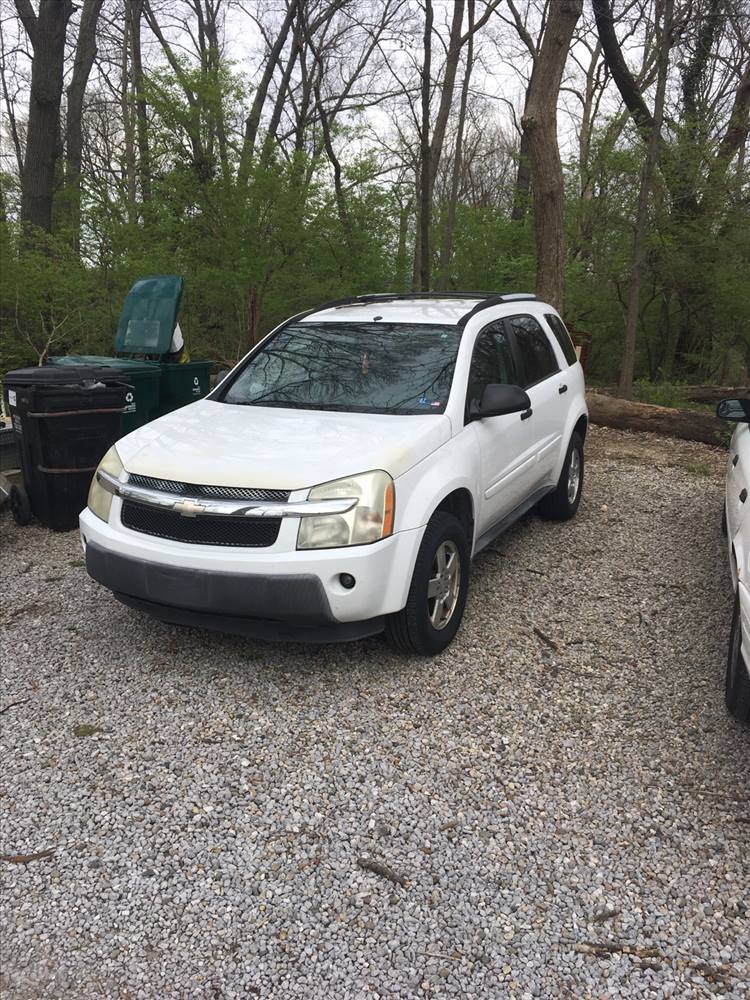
(743,495)
(526,414)
(561,389)
(735,460)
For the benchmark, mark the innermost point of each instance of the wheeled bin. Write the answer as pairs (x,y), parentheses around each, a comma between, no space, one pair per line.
(65,418)
(183,383)
(142,399)
(145,329)
(143,340)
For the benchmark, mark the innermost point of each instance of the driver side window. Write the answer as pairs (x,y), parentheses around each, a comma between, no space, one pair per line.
(491,363)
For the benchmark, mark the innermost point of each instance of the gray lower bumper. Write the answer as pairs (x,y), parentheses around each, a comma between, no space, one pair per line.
(268,607)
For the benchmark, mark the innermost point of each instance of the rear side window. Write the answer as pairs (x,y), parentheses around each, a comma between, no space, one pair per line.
(536,352)
(492,361)
(563,337)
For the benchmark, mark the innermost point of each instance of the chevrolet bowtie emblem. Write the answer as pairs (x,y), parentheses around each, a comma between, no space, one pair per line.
(189,508)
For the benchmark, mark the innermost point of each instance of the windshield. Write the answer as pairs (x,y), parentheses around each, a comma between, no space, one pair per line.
(359,367)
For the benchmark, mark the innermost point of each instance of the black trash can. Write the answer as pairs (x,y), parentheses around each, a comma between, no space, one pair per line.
(65,419)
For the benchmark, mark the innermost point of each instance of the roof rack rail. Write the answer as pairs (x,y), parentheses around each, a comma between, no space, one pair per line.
(497,300)
(485,301)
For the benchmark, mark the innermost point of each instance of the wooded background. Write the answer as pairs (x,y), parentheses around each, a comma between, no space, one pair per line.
(278,153)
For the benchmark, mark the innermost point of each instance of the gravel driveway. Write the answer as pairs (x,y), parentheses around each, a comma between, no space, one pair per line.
(561,793)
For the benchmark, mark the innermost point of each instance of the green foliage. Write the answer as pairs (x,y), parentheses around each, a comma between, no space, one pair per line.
(255,253)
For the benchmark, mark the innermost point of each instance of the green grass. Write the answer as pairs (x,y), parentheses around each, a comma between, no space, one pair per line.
(699,468)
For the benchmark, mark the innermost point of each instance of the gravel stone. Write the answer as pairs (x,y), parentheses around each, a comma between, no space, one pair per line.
(562,789)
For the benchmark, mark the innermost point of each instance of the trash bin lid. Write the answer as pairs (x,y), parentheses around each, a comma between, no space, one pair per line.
(126,365)
(56,375)
(149,315)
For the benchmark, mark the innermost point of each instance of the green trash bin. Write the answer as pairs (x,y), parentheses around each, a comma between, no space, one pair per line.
(142,401)
(183,383)
(142,343)
(145,328)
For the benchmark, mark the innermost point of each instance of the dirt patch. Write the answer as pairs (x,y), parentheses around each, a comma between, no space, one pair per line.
(654,450)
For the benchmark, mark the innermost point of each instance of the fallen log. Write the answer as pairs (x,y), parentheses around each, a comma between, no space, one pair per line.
(715,393)
(624,414)
(697,393)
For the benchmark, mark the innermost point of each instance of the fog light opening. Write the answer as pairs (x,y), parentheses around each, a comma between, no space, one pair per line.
(346,580)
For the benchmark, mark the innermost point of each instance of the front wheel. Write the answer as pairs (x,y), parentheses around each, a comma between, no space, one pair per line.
(562,503)
(737,693)
(437,595)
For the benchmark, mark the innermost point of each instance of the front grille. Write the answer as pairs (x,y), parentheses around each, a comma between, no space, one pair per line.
(201,530)
(216,492)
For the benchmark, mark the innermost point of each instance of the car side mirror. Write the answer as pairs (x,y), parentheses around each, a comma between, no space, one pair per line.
(498,400)
(737,410)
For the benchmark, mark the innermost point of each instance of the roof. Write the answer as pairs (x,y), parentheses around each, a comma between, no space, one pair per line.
(446,308)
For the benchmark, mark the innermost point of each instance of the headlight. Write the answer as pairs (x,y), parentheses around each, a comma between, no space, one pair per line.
(369,521)
(100,500)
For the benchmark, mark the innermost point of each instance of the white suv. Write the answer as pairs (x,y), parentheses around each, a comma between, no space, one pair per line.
(338,481)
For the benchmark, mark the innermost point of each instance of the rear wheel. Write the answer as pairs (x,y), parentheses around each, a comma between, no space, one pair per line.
(437,594)
(737,693)
(562,503)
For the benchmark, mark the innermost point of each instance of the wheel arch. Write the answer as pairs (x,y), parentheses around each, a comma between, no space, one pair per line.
(460,503)
(581,426)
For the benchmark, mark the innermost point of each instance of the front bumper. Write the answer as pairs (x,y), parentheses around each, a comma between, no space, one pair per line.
(240,589)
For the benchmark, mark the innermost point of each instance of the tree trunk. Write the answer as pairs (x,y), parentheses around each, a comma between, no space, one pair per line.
(623,414)
(425,188)
(627,367)
(135,12)
(84,60)
(540,124)
(446,249)
(522,187)
(47,35)
(127,126)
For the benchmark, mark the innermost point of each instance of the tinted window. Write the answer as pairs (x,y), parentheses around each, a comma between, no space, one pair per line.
(535,349)
(563,337)
(491,362)
(357,367)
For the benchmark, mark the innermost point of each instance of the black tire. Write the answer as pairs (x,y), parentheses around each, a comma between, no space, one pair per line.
(411,630)
(20,506)
(737,694)
(557,505)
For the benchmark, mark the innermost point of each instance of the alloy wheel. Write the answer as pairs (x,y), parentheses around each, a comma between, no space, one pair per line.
(444,584)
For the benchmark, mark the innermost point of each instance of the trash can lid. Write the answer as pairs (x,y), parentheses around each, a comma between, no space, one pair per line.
(54,375)
(124,364)
(149,315)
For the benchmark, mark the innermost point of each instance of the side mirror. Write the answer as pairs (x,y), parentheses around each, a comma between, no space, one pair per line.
(498,400)
(737,410)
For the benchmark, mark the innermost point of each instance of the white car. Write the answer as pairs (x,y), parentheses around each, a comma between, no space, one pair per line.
(338,481)
(736,524)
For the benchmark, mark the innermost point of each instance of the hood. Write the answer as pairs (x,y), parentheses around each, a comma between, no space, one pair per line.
(218,444)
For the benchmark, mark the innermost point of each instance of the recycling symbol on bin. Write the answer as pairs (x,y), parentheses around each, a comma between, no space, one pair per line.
(196,386)
(195,380)
(130,402)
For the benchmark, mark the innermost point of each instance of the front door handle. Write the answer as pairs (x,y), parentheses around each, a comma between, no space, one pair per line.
(561,389)
(743,495)
(526,414)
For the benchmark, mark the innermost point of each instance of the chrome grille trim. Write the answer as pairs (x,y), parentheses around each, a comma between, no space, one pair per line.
(200,506)
(220,492)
